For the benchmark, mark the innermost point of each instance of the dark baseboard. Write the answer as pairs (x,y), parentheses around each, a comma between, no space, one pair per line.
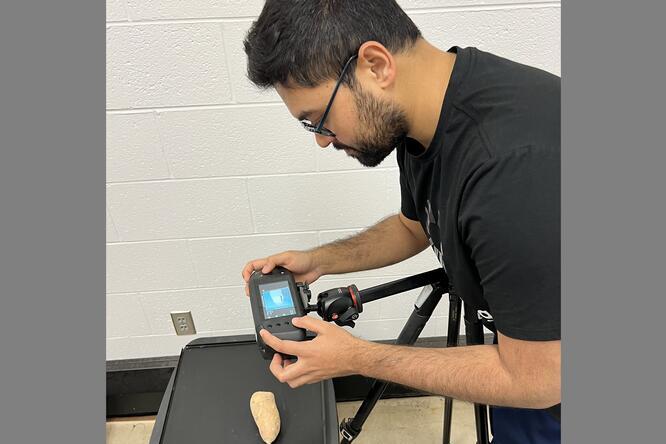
(135,387)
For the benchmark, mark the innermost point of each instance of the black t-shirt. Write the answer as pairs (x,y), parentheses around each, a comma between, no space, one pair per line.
(487,192)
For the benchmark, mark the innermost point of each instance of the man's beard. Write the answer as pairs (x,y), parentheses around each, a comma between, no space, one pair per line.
(382,126)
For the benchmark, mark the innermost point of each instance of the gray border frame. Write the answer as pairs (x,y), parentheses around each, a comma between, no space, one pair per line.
(613,231)
(52,204)
(52,218)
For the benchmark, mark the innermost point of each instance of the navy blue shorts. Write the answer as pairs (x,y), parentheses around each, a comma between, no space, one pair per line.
(524,426)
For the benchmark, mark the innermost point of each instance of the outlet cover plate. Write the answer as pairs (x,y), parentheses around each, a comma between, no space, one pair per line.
(183,323)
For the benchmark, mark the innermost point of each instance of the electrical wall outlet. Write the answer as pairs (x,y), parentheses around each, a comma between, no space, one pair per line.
(183,322)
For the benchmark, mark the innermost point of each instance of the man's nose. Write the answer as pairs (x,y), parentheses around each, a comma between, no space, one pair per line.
(323,141)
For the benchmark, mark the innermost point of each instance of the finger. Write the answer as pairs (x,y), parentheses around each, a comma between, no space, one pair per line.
(281,259)
(252,266)
(247,271)
(268,266)
(294,371)
(278,359)
(309,323)
(277,344)
(276,367)
(302,380)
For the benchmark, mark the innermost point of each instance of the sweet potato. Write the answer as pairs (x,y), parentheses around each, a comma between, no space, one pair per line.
(266,415)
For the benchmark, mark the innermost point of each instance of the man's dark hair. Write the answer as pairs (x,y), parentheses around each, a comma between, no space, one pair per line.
(306,42)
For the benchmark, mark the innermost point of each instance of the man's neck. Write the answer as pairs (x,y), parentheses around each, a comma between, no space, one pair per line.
(425,74)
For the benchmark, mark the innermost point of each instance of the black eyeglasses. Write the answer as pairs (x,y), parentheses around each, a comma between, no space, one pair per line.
(319,128)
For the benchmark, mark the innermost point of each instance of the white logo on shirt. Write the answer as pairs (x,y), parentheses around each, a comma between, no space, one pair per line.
(436,244)
(483,314)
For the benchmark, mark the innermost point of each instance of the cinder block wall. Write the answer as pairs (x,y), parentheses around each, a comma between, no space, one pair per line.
(204,172)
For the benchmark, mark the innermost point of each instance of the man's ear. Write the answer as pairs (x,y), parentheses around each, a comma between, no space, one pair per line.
(376,64)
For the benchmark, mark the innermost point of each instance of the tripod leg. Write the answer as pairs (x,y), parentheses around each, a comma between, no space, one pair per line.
(451,341)
(474,332)
(425,305)
(448,418)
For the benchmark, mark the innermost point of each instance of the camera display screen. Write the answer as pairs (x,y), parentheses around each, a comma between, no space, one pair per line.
(277,300)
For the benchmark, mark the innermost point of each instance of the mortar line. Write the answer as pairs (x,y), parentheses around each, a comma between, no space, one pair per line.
(113,224)
(241,287)
(490,7)
(158,122)
(193,263)
(231,237)
(145,313)
(424,10)
(255,176)
(227,64)
(249,204)
(140,110)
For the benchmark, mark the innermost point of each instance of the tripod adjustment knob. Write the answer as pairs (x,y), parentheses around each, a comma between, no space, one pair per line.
(347,318)
(341,305)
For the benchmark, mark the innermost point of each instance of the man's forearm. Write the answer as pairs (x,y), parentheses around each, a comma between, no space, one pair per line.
(472,373)
(385,243)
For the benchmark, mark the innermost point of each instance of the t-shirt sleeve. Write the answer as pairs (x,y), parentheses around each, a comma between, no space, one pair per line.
(510,221)
(407,207)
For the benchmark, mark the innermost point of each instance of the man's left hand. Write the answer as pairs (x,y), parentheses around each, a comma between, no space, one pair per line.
(329,355)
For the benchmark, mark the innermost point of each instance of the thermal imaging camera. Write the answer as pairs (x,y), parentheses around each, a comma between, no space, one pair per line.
(276,299)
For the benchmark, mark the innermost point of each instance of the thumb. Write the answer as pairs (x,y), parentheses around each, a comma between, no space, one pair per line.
(274,261)
(269,266)
(309,323)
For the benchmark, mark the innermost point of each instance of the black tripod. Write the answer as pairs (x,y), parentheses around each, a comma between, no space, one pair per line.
(343,305)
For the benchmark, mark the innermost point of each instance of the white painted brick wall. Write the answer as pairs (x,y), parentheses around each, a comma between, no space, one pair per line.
(197,158)
(133,148)
(157,65)
(239,141)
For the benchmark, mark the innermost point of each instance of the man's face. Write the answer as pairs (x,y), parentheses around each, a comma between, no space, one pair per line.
(366,127)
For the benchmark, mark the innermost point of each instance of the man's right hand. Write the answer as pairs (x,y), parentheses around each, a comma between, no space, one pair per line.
(301,263)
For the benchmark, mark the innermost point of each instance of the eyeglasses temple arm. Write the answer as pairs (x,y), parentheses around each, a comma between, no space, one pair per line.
(320,125)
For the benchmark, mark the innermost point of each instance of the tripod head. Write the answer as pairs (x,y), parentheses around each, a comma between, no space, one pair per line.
(341,305)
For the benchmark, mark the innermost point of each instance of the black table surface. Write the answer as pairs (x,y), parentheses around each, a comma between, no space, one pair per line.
(208,399)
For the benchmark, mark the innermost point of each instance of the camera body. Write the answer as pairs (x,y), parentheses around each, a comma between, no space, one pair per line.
(276,299)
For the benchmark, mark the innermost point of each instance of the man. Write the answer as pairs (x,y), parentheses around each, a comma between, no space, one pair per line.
(478,148)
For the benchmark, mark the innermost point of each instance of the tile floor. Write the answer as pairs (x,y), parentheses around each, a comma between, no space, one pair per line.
(393,421)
